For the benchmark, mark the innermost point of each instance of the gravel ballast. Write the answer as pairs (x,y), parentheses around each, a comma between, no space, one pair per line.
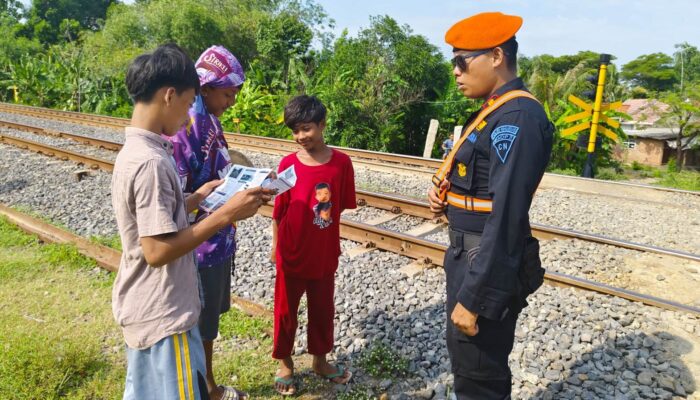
(570,344)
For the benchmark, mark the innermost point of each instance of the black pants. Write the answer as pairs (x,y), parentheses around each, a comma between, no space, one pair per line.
(479,363)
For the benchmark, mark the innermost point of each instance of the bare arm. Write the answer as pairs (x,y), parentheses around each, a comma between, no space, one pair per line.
(273,252)
(163,249)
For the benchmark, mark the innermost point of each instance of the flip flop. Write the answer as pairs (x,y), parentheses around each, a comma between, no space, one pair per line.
(231,393)
(290,383)
(340,372)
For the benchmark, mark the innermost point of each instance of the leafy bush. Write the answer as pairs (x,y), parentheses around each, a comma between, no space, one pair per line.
(610,174)
(672,165)
(566,171)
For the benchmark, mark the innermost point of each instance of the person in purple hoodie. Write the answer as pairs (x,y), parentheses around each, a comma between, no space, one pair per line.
(201,154)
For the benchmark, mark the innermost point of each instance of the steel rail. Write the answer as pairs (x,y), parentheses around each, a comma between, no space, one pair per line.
(393,203)
(433,252)
(52,151)
(83,139)
(106,257)
(420,209)
(109,258)
(426,165)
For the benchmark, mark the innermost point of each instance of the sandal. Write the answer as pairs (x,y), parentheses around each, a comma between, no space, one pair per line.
(340,372)
(290,383)
(231,393)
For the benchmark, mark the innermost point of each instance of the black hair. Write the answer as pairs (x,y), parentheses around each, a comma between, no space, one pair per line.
(324,206)
(304,109)
(167,65)
(322,185)
(510,48)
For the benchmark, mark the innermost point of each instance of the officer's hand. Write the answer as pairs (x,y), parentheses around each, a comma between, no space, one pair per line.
(436,205)
(465,320)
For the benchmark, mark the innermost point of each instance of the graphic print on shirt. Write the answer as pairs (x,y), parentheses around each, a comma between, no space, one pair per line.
(322,210)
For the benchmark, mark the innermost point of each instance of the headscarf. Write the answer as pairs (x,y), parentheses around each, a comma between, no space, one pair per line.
(200,150)
(217,67)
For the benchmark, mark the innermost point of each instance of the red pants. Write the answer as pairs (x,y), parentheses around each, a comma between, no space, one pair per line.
(321,309)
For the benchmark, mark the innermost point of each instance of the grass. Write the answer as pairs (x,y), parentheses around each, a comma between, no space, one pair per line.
(59,339)
(666,176)
(113,241)
(686,180)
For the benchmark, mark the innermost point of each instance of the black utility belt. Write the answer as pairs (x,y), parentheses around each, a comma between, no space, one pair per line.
(464,240)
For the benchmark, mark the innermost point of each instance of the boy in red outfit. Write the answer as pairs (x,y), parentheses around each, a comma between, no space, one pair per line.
(306,241)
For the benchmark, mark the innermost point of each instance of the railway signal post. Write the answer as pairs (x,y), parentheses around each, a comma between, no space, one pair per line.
(592,117)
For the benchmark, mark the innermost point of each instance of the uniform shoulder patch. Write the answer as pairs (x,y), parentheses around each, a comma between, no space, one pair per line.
(502,140)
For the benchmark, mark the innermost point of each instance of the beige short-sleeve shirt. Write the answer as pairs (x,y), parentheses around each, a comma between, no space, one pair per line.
(150,303)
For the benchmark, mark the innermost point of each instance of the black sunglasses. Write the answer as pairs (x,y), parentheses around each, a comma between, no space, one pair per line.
(460,60)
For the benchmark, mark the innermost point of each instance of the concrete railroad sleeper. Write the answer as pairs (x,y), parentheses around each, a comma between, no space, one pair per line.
(399,161)
(429,252)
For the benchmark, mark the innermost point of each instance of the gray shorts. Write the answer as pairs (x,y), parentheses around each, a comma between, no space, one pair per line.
(173,368)
(216,286)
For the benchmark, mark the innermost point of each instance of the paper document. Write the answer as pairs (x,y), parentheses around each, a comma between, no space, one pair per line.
(285,181)
(242,178)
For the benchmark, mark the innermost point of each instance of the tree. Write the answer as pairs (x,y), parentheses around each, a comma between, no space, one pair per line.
(12,46)
(684,117)
(687,64)
(280,39)
(11,8)
(53,21)
(654,72)
(380,87)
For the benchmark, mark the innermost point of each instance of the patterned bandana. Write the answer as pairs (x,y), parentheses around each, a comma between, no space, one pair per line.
(217,67)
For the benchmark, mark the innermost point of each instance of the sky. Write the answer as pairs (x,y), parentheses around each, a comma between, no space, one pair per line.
(625,29)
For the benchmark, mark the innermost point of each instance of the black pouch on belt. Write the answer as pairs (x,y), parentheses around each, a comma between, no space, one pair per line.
(531,273)
(465,241)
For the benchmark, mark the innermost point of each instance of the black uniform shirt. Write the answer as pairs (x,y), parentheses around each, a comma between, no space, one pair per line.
(503,161)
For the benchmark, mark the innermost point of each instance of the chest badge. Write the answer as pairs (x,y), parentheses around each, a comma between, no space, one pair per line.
(461,170)
(502,139)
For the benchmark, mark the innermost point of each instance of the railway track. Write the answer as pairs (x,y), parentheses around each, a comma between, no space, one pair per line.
(404,163)
(395,204)
(428,252)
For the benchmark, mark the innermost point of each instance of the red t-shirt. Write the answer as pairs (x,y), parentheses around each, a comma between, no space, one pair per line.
(308,216)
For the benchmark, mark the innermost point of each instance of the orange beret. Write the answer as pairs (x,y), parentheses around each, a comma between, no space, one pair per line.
(483,31)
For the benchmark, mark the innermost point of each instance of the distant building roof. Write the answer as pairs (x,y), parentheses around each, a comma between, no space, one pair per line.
(687,143)
(644,110)
(660,133)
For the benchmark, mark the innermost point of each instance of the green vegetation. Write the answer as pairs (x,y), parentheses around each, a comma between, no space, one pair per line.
(382,85)
(113,241)
(358,393)
(380,361)
(685,180)
(59,339)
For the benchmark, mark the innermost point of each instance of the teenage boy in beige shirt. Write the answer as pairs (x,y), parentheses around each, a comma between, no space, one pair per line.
(156,296)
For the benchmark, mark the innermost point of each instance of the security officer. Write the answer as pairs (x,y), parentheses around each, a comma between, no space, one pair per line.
(485,187)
